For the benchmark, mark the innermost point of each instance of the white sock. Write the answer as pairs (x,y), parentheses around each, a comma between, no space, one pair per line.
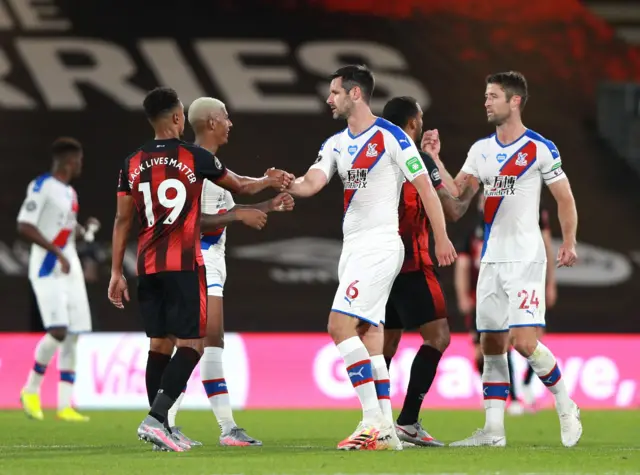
(216,387)
(173,411)
(45,350)
(383,386)
(495,388)
(67,368)
(356,358)
(546,367)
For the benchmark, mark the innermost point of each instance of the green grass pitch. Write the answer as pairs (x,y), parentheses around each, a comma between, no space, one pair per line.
(303,442)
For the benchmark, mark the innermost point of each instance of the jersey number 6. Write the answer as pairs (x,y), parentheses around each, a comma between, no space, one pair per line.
(175,204)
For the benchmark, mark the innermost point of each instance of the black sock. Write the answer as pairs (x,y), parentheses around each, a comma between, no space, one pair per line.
(423,372)
(156,364)
(388,360)
(529,374)
(512,384)
(173,381)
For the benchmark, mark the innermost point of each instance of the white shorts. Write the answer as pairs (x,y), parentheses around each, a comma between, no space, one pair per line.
(510,294)
(216,269)
(63,301)
(366,275)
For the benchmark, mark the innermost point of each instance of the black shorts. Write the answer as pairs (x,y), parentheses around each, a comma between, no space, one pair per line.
(174,303)
(416,298)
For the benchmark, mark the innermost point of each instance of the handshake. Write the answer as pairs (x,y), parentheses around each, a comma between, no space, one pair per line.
(256,217)
(279,179)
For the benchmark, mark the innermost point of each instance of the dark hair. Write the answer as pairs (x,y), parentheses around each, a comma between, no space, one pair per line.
(64,146)
(513,83)
(160,101)
(400,110)
(356,75)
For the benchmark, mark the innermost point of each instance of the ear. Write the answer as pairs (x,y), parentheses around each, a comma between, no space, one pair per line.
(516,100)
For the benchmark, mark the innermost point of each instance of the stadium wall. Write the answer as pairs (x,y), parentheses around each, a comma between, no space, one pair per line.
(305,371)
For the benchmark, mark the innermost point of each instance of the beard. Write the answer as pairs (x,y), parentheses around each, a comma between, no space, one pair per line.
(498,120)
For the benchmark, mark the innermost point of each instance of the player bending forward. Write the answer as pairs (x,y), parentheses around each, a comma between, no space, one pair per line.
(163,181)
(372,157)
(510,296)
(48,219)
(210,121)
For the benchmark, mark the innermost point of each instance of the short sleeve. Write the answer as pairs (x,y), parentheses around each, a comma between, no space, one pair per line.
(229,202)
(34,203)
(550,162)
(124,188)
(326,160)
(470,166)
(407,156)
(207,165)
(432,169)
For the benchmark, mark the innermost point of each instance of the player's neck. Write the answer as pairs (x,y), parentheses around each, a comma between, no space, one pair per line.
(61,175)
(509,132)
(360,120)
(167,133)
(208,144)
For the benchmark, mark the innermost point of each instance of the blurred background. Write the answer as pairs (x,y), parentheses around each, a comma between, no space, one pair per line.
(82,69)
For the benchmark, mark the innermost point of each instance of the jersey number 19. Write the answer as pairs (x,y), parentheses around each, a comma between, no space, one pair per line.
(175,204)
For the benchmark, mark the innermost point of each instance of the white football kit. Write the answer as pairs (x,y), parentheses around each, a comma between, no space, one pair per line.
(52,207)
(372,166)
(511,283)
(215,200)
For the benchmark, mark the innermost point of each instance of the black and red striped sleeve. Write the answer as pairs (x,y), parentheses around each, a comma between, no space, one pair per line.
(207,165)
(123,178)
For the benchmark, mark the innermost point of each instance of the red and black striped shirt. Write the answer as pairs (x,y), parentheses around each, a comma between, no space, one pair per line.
(414,223)
(165,179)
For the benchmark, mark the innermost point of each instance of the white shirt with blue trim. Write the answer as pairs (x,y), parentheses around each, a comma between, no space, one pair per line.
(512,177)
(52,207)
(215,200)
(372,165)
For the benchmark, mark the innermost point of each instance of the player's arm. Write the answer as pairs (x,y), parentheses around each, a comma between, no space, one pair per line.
(454,208)
(558,183)
(310,184)
(28,219)
(121,229)
(245,185)
(551,290)
(254,215)
(319,174)
(414,170)
(568,217)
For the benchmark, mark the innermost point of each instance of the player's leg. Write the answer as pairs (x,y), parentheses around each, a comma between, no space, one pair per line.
(383,268)
(492,323)
(342,327)
(514,408)
(186,311)
(527,388)
(372,337)
(79,322)
(213,379)
(172,306)
(526,312)
(421,304)
(55,318)
(478,357)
